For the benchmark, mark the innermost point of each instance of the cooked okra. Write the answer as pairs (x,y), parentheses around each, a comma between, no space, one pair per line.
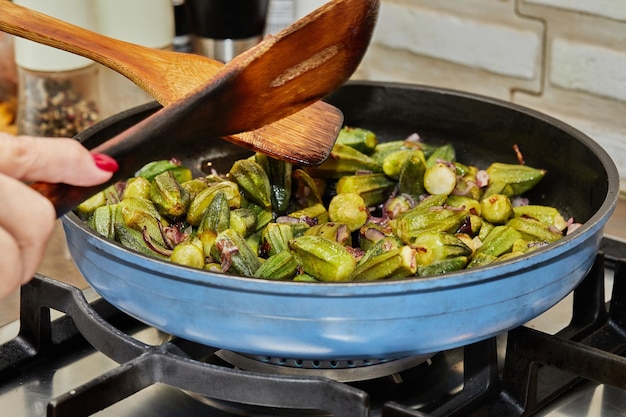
(373,211)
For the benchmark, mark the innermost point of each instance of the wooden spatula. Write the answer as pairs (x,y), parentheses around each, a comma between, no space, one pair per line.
(169,76)
(280,76)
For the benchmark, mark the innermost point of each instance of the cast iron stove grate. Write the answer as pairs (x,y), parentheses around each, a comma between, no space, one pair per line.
(537,367)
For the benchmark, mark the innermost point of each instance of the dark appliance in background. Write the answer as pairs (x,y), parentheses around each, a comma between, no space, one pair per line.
(222,29)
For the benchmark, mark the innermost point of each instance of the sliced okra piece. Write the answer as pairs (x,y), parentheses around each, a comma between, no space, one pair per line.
(393,264)
(87,208)
(243,221)
(315,214)
(532,229)
(499,241)
(216,217)
(194,186)
(199,205)
(545,214)
(496,209)
(371,233)
(442,153)
(308,190)
(415,222)
(412,175)
(442,267)
(281,266)
(363,140)
(385,244)
(393,163)
(235,254)
(189,253)
(137,187)
(103,220)
(169,197)
(521,178)
(373,188)
(440,178)
(436,246)
(143,216)
(344,160)
(253,182)
(335,231)
(275,238)
(349,209)
(135,240)
(322,258)
(280,176)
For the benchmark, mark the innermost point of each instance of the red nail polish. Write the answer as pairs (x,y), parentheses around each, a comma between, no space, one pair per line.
(105,162)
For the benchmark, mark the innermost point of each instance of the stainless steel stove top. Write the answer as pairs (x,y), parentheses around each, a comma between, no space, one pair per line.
(58,375)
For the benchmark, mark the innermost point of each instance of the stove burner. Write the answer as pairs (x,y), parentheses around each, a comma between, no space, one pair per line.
(340,370)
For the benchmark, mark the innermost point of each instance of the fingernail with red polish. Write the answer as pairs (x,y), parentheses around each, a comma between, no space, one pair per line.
(105,162)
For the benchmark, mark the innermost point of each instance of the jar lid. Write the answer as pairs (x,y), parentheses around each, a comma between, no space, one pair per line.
(33,56)
(144,22)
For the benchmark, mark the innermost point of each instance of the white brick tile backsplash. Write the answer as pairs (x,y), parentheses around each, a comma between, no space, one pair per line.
(614,9)
(566,58)
(590,68)
(487,45)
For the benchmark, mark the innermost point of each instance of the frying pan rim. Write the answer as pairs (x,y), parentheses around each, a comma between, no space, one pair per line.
(459,278)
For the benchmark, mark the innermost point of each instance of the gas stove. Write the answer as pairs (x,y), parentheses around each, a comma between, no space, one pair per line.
(73,354)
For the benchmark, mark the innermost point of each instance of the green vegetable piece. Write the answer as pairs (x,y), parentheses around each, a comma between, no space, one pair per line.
(520,178)
(545,214)
(461,201)
(87,208)
(440,178)
(423,219)
(253,182)
(308,192)
(499,241)
(243,221)
(385,244)
(203,199)
(235,254)
(217,215)
(281,266)
(304,277)
(317,213)
(383,149)
(496,209)
(137,187)
(349,209)
(344,160)
(435,246)
(143,216)
(411,178)
(337,232)
(152,169)
(194,186)
(394,161)
(275,238)
(371,233)
(103,220)
(442,153)
(322,258)
(362,140)
(532,229)
(393,264)
(134,240)
(169,197)
(442,267)
(280,177)
(373,188)
(189,253)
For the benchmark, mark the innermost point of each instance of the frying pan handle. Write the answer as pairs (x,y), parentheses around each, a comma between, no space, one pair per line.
(157,135)
(66,197)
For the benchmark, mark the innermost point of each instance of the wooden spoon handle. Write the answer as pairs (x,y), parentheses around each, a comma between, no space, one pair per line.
(165,75)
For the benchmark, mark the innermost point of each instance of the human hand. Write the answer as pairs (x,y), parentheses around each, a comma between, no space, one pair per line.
(27,219)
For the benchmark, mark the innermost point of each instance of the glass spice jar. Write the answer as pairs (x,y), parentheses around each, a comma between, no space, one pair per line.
(57,104)
(58,92)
